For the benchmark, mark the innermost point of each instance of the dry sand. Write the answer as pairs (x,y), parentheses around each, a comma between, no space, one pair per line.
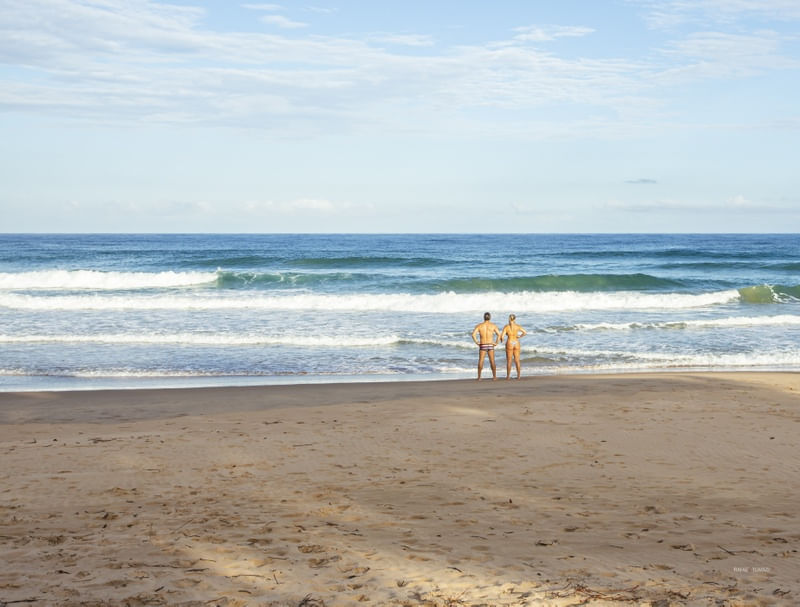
(652,489)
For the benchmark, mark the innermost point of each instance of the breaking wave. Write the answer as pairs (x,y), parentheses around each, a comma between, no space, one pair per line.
(99,280)
(445,303)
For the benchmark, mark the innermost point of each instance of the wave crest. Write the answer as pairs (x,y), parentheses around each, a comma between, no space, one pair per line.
(581,283)
(100,280)
(442,303)
(766,294)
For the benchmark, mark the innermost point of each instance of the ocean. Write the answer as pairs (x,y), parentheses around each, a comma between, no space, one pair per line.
(127,311)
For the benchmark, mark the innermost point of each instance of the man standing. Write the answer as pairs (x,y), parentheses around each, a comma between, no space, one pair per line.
(484,337)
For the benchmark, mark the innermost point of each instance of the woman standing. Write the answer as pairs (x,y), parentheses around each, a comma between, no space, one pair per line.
(513,333)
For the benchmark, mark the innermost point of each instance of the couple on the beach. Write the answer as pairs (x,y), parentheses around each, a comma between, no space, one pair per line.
(484,338)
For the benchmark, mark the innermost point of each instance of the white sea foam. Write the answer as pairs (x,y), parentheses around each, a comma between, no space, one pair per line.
(706,323)
(442,303)
(587,359)
(210,339)
(566,362)
(718,362)
(115,373)
(97,280)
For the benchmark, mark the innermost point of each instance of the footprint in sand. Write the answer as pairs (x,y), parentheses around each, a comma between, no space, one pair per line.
(317,563)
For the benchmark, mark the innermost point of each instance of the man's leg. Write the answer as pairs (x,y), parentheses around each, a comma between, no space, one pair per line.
(494,367)
(481,356)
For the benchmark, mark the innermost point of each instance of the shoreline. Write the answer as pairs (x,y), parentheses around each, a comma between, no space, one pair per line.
(124,384)
(606,488)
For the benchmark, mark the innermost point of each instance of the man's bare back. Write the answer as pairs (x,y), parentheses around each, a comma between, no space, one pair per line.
(486,330)
(484,336)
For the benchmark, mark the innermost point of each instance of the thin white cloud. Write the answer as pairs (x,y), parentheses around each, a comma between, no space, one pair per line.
(740,202)
(299,206)
(313,204)
(784,10)
(673,13)
(147,62)
(162,63)
(282,22)
(733,204)
(725,55)
(163,208)
(419,40)
(181,208)
(263,7)
(321,10)
(546,33)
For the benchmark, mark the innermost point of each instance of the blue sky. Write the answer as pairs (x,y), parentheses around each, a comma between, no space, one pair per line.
(413,116)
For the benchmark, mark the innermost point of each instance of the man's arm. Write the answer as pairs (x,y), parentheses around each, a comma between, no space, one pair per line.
(474,333)
(496,331)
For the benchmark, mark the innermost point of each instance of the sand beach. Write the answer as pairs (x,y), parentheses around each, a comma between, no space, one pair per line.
(638,489)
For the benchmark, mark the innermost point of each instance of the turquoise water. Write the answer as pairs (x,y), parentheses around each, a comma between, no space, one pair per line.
(90,311)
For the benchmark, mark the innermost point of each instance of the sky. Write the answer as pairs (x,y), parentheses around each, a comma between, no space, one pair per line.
(415,116)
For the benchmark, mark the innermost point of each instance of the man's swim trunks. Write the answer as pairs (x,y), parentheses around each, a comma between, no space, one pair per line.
(486,347)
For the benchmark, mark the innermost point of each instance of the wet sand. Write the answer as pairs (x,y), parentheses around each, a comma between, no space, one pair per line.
(659,489)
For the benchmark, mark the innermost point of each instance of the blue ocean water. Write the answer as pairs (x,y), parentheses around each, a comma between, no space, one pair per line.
(91,311)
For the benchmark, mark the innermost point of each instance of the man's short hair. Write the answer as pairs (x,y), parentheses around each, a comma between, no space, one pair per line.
(487,316)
